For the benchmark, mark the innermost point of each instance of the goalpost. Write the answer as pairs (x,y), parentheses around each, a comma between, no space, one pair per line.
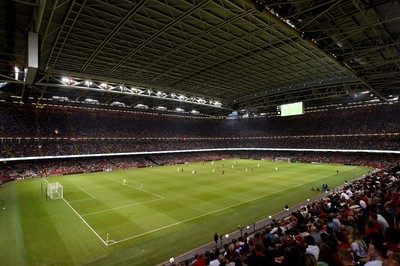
(282,159)
(55,190)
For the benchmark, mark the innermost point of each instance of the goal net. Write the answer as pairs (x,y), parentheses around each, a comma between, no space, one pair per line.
(282,159)
(55,190)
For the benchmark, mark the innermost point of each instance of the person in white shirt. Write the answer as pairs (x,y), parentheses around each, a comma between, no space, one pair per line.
(357,244)
(382,221)
(311,247)
(344,196)
(376,251)
(349,193)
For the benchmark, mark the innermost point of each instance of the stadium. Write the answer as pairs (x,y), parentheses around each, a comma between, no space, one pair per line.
(241,132)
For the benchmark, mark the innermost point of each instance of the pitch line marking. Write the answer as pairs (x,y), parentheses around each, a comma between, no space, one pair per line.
(140,189)
(86,192)
(83,220)
(120,207)
(212,212)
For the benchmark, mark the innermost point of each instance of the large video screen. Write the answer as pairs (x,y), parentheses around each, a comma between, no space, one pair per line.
(292,109)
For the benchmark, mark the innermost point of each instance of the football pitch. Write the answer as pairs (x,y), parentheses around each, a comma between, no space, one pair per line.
(145,216)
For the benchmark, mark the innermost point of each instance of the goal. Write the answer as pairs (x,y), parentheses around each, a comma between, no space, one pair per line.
(55,190)
(282,159)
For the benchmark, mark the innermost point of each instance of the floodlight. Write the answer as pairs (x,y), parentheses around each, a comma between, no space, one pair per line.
(161,108)
(92,101)
(119,104)
(141,106)
(16,69)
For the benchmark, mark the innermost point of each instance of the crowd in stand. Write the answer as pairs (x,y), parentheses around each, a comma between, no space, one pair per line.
(357,225)
(27,131)
(100,146)
(29,121)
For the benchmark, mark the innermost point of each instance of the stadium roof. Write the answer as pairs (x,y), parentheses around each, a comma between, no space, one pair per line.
(213,56)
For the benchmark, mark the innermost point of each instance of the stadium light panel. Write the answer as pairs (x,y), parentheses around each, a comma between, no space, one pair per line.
(119,104)
(16,69)
(161,108)
(92,101)
(141,106)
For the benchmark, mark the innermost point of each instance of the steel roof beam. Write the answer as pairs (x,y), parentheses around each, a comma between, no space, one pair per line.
(120,24)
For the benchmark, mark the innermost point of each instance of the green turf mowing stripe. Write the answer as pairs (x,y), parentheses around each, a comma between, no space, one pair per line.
(12,235)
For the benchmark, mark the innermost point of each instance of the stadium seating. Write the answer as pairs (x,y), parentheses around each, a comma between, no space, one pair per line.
(28,131)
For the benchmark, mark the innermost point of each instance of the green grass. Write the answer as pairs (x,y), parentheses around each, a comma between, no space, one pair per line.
(159,213)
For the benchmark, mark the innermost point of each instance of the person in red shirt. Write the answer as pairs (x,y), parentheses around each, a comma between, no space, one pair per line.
(342,241)
(370,228)
(200,261)
(373,217)
(392,240)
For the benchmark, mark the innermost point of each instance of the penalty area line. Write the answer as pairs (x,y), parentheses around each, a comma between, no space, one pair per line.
(120,207)
(86,192)
(140,189)
(83,220)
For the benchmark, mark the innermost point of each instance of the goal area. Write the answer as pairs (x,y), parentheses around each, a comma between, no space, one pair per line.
(282,159)
(55,190)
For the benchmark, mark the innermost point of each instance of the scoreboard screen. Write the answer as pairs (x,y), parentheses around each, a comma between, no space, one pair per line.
(291,109)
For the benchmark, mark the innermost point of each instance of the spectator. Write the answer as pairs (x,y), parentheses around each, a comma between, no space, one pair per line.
(358,245)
